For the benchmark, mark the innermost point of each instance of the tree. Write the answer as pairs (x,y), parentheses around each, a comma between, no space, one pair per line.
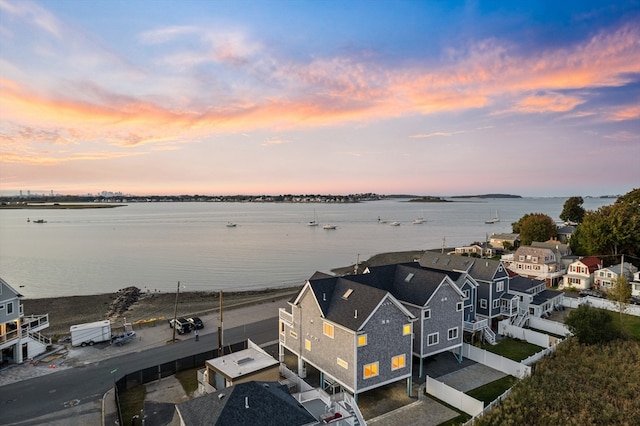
(620,294)
(535,227)
(612,229)
(591,325)
(572,211)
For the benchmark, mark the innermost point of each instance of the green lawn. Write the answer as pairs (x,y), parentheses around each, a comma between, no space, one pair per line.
(489,392)
(132,401)
(630,325)
(514,349)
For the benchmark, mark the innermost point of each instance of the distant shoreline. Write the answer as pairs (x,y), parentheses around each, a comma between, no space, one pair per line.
(57,206)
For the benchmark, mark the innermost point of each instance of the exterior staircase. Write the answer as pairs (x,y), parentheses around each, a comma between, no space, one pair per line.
(489,335)
(520,319)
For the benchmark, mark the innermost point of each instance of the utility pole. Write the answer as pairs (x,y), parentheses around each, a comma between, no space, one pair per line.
(220,340)
(175,313)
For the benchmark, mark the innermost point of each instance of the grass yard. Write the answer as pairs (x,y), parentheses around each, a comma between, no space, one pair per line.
(189,380)
(514,349)
(630,325)
(132,401)
(489,392)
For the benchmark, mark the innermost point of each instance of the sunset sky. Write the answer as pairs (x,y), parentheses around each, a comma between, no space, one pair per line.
(536,98)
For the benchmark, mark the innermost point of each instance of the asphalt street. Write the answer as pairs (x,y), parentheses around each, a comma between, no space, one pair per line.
(86,384)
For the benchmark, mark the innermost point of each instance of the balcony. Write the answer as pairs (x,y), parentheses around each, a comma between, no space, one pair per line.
(285,317)
(475,326)
(35,322)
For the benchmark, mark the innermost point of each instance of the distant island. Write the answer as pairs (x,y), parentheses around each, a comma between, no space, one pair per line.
(429,199)
(488,196)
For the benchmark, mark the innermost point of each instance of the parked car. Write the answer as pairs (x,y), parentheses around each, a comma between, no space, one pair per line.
(196,323)
(181,325)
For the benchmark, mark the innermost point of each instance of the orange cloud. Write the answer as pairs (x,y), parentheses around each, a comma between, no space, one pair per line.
(623,113)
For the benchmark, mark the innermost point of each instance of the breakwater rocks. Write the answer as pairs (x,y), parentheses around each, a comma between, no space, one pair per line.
(125,297)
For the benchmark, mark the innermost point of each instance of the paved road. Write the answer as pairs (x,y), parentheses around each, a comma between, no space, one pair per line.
(74,387)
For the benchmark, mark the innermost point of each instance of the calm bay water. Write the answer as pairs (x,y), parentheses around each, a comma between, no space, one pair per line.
(155,245)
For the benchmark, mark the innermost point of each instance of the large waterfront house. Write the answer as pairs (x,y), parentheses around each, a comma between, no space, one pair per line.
(358,337)
(540,262)
(433,297)
(580,274)
(493,300)
(20,337)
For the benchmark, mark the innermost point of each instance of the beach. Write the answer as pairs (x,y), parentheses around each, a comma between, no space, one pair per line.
(153,307)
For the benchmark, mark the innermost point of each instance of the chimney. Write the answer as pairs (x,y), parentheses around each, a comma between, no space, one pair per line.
(355,315)
(324,297)
(246,402)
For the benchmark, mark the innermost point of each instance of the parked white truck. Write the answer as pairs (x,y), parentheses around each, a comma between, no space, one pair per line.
(90,333)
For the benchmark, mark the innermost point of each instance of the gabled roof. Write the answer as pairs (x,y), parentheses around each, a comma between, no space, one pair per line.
(408,283)
(250,403)
(555,246)
(591,262)
(478,269)
(348,302)
(6,291)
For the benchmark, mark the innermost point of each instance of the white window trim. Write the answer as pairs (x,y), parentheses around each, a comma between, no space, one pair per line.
(427,314)
(333,329)
(459,306)
(437,339)
(483,303)
(457,333)
(404,362)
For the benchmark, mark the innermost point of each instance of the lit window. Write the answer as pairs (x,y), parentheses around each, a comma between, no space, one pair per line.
(453,333)
(327,329)
(281,327)
(406,329)
(398,362)
(362,340)
(342,363)
(370,370)
(307,344)
(432,339)
(293,334)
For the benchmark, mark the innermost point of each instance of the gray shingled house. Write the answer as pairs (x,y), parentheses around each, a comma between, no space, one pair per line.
(250,403)
(358,337)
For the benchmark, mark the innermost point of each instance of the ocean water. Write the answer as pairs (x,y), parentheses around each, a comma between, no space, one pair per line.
(156,245)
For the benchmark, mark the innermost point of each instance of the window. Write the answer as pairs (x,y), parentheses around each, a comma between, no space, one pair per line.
(342,363)
(427,314)
(398,362)
(483,303)
(459,306)
(9,308)
(496,304)
(362,340)
(307,344)
(370,370)
(453,333)
(466,294)
(521,258)
(327,329)
(281,328)
(293,334)
(500,286)
(432,339)
(406,329)
(347,294)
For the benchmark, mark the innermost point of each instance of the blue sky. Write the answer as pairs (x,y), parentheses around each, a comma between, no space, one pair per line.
(272,97)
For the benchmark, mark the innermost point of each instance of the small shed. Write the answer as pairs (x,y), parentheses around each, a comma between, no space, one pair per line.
(251,364)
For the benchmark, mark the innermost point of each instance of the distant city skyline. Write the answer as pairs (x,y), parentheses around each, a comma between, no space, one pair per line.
(279,97)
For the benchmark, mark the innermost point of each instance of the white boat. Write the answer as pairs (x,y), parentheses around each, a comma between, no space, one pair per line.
(231,225)
(329,226)
(494,219)
(395,223)
(313,222)
(419,220)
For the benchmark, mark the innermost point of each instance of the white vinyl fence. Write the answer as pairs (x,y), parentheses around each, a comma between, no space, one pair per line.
(454,397)
(596,302)
(531,336)
(496,362)
(552,327)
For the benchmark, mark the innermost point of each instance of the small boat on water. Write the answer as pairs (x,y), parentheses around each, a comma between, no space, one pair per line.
(329,226)
(395,223)
(313,222)
(418,221)
(39,221)
(494,219)
(231,225)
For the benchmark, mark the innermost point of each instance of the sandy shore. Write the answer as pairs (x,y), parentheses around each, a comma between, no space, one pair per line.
(67,311)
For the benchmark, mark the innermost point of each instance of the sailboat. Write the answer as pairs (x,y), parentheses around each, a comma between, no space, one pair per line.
(313,222)
(493,219)
(420,220)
